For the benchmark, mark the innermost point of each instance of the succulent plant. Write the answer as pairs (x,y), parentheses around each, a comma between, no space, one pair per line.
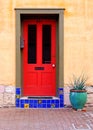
(78,83)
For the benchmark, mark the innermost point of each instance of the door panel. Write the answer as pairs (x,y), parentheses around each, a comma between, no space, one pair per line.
(39,58)
(33,81)
(46,80)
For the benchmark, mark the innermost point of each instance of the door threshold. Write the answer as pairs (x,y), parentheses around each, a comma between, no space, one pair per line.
(39,97)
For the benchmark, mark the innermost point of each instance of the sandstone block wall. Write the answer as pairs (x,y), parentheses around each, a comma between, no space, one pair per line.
(7,96)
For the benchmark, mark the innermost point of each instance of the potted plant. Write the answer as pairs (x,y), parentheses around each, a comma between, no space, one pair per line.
(78,92)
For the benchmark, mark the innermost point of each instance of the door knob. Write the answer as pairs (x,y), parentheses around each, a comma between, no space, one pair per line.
(53,65)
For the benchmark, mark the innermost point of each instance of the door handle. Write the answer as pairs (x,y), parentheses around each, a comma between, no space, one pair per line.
(53,65)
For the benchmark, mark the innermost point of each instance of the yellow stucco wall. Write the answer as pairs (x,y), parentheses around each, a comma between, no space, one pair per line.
(78,36)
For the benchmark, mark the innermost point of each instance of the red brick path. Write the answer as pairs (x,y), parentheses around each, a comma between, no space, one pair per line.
(46,119)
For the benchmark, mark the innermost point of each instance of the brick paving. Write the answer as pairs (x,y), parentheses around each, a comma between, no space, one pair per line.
(46,119)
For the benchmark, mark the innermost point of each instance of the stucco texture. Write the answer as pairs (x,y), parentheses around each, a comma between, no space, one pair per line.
(78,41)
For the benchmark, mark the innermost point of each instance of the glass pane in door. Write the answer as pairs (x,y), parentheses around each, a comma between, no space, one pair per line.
(46,44)
(31,44)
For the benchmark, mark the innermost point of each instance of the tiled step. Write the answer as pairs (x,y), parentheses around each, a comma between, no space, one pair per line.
(39,102)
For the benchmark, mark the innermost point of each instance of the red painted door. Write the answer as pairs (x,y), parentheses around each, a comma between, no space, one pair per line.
(39,58)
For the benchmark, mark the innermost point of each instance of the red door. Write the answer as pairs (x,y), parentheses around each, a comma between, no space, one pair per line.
(39,58)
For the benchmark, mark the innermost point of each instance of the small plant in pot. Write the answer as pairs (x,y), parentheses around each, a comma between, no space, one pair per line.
(78,92)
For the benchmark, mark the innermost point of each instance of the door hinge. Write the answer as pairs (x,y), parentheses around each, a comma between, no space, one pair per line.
(21,42)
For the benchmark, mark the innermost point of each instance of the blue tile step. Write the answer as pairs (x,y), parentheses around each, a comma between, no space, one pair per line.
(39,102)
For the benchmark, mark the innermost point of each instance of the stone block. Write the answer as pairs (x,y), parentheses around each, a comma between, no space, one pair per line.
(66,95)
(1,89)
(90,95)
(7,99)
(10,89)
(90,99)
(13,99)
(1,100)
(89,89)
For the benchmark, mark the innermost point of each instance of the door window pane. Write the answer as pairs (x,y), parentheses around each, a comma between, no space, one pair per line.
(46,44)
(31,44)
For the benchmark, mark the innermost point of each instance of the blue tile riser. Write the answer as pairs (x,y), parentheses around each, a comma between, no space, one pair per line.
(40,103)
(18,92)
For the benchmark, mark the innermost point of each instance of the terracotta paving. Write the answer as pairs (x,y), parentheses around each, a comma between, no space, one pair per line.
(46,119)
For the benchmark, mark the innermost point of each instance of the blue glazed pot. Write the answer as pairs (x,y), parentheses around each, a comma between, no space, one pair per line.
(78,98)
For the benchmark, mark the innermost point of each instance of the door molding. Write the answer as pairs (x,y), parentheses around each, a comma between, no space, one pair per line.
(26,13)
